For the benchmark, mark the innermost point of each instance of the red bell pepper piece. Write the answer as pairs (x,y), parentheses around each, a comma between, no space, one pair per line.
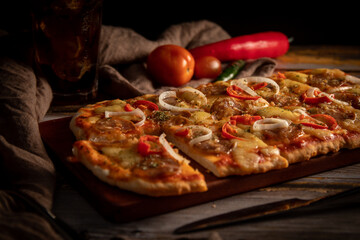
(315,100)
(265,44)
(259,85)
(314,125)
(144,104)
(244,119)
(327,119)
(237,92)
(149,144)
(227,132)
(182,132)
(128,108)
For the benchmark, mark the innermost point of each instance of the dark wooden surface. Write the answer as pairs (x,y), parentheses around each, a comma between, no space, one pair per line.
(338,219)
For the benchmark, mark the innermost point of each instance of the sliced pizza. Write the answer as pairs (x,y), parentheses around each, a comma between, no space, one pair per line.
(148,165)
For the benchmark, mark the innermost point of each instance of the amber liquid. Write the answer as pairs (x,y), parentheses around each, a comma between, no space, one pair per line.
(66,43)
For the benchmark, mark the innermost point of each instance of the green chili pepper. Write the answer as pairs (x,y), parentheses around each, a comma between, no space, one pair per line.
(231,71)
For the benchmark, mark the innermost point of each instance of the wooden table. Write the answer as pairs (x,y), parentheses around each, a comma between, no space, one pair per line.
(338,219)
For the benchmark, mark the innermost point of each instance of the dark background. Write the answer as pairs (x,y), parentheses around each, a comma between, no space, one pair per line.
(308,22)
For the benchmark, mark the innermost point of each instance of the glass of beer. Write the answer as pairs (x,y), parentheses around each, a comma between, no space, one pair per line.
(66,42)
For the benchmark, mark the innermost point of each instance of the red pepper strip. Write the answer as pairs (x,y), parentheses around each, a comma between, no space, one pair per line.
(314,125)
(182,132)
(227,132)
(328,120)
(146,143)
(281,75)
(145,105)
(244,119)
(265,44)
(237,92)
(259,85)
(128,108)
(315,100)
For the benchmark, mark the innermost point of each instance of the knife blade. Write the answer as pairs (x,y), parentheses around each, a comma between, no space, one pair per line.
(255,212)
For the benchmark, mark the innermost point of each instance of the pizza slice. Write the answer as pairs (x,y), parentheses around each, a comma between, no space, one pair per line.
(148,165)
(216,146)
(116,120)
(333,83)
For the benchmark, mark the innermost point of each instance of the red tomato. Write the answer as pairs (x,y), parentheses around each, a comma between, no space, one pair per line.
(207,67)
(171,65)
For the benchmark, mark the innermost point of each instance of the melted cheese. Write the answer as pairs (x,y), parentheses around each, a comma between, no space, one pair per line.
(126,157)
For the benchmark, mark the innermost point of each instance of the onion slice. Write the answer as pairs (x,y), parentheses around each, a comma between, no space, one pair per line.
(204,137)
(339,89)
(136,112)
(170,150)
(242,84)
(331,96)
(264,79)
(270,124)
(352,79)
(163,104)
(311,92)
(198,93)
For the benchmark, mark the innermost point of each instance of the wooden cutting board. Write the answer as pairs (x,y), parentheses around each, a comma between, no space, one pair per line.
(122,206)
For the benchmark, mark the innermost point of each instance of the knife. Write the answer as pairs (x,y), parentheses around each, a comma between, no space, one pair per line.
(255,212)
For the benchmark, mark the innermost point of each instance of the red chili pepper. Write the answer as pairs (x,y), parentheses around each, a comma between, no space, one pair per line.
(244,119)
(259,85)
(128,108)
(146,145)
(145,105)
(237,92)
(227,132)
(315,100)
(252,46)
(327,119)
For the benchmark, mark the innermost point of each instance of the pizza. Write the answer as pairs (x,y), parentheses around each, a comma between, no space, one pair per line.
(162,144)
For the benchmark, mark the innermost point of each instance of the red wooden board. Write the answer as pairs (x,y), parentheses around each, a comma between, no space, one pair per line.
(122,206)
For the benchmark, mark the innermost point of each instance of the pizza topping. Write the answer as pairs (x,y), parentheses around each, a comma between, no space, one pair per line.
(227,131)
(315,96)
(149,144)
(172,94)
(241,85)
(192,95)
(199,133)
(352,79)
(170,150)
(270,124)
(238,92)
(327,119)
(261,82)
(144,104)
(136,112)
(244,119)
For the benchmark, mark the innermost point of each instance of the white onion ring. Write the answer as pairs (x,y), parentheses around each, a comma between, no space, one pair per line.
(263,101)
(136,112)
(170,150)
(261,80)
(193,90)
(206,136)
(270,124)
(331,96)
(311,92)
(339,89)
(240,83)
(167,106)
(352,79)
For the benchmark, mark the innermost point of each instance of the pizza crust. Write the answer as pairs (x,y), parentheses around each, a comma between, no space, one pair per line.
(123,178)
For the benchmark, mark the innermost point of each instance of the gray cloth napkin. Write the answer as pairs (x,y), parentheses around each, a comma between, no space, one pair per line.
(25,99)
